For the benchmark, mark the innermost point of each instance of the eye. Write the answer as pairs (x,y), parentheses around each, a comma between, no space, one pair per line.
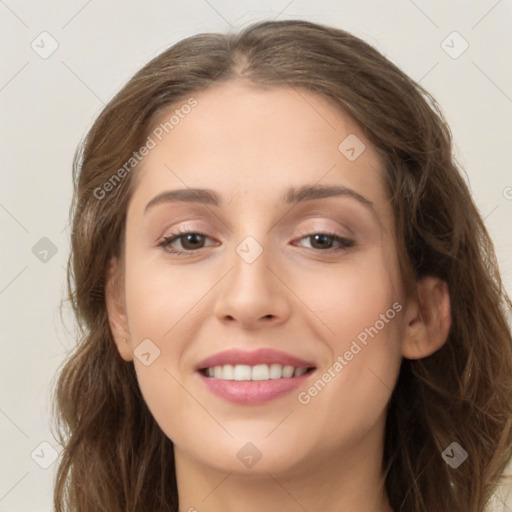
(324,241)
(189,240)
(192,241)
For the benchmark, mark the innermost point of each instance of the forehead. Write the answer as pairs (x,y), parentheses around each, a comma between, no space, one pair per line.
(251,142)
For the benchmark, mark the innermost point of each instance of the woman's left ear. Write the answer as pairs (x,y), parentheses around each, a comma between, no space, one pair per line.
(427,318)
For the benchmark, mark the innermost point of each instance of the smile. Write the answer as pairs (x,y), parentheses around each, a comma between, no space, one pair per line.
(253,377)
(244,372)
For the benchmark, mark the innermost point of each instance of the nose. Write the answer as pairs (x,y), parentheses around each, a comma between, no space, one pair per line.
(253,294)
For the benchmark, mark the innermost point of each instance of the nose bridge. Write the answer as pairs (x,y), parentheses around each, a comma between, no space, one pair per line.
(251,276)
(253,251)
(251,292)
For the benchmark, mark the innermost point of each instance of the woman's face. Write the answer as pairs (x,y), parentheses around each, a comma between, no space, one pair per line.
(293,263)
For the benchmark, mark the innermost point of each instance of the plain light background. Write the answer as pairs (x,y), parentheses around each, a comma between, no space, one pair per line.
(49,101)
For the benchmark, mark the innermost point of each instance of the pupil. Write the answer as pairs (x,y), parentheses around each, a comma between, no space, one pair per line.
(323,238)
(194,238)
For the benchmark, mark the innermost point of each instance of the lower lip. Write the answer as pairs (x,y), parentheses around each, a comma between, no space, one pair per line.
(253,392)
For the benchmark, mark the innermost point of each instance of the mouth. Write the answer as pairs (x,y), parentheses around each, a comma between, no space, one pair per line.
(252,378)
(259,372)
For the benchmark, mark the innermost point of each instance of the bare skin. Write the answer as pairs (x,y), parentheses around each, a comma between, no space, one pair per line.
(319,451)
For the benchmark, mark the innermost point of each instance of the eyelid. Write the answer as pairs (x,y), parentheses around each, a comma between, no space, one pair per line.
(321,217)
(186,228)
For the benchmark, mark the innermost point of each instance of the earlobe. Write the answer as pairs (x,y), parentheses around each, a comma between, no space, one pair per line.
(116,311)
(428,319)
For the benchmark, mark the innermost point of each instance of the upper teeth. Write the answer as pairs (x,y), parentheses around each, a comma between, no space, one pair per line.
(257,372)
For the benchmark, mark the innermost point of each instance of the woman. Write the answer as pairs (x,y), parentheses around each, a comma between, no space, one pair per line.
(288,298)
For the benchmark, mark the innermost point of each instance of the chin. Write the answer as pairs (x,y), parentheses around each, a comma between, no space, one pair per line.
(247,458)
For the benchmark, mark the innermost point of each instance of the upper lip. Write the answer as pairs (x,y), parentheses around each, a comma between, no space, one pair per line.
(252,358)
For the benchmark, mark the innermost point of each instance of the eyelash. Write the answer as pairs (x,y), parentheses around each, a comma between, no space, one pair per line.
(346,243)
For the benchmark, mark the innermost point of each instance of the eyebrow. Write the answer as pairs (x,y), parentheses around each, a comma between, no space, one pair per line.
(292,196)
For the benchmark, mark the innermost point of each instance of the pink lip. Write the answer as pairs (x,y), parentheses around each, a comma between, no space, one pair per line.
(253,392)
(260,356)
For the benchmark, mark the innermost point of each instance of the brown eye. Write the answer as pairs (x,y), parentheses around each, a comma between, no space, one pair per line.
(325,241)
(192,241)
(189,241)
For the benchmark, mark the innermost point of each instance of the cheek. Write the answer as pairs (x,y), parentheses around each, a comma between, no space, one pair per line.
(362,324)
(162,305)
(353,299)
(364,311)
(161,299)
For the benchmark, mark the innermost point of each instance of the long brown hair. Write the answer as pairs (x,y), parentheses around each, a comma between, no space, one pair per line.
(115,458)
